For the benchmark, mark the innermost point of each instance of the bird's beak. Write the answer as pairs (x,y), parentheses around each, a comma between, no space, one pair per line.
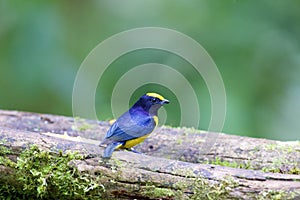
(165,101)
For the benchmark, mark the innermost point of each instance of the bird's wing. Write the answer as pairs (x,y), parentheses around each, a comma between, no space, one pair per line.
(126,129)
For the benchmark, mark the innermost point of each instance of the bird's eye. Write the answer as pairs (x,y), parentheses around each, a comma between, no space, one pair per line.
(154,100)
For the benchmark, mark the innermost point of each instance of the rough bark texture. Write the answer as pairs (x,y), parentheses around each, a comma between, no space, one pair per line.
(173,165)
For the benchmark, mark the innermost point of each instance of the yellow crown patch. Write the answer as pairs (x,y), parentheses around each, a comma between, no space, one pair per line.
(152,94)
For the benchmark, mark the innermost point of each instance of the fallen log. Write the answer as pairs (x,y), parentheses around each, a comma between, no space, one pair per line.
(171,169)
(183,144)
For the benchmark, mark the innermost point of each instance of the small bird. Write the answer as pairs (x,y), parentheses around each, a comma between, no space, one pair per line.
(135,125)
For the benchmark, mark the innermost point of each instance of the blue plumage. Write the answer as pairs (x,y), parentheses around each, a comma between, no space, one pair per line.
(134,125)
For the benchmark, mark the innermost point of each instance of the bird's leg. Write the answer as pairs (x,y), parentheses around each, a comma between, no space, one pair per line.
(133,150)
(110,148)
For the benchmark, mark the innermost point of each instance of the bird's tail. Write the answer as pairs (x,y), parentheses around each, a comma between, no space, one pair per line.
(110,148)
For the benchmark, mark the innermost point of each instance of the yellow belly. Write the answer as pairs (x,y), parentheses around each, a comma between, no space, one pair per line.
(155,120)
(133,142)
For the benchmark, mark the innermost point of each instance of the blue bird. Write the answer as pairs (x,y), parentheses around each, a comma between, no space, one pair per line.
(135,125)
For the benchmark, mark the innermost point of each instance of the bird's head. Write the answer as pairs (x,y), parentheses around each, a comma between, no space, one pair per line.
(151,102)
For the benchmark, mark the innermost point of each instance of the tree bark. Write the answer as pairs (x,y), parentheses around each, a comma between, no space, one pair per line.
(174,165)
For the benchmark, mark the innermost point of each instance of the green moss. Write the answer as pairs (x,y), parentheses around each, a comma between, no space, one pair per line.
(279,165)
(81,125)
(283,168)
(271,147)
(185,172)
(219,161)
(282,165)
(276,195)
(294,170)
(116,162)
(179,141)
(4,150)
(203,189)
(287,147)
(4,160)
(115,166)
(43,175)
(156,192)
(285,164)
(186,131)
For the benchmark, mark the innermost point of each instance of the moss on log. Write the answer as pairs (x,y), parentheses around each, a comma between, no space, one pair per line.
(175,167)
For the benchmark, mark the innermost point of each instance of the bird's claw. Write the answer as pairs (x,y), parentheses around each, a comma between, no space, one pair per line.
(133,150)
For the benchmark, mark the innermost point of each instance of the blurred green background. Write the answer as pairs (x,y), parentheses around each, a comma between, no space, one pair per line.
(255,44)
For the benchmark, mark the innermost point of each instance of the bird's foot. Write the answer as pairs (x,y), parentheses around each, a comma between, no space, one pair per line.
(133,150)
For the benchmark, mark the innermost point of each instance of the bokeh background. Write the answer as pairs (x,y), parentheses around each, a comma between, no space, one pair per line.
(255,44)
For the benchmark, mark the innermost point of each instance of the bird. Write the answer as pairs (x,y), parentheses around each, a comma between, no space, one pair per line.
(135,125)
